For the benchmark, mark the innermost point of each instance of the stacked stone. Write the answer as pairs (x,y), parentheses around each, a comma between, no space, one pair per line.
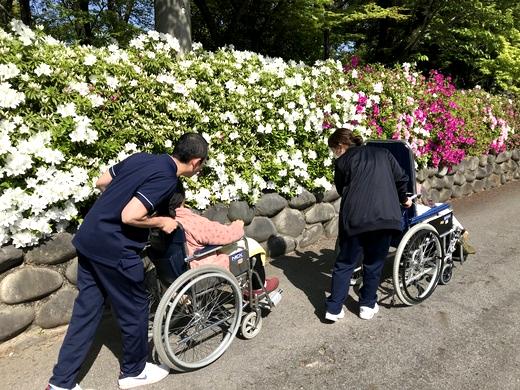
(37,286)
(282,225)
(473,174)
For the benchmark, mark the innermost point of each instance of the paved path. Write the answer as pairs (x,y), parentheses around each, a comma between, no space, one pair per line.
(466,336)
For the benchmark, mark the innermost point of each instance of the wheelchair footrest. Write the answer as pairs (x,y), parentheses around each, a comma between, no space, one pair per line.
(275,297)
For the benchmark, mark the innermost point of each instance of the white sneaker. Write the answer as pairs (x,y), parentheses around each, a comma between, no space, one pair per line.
(335,317)
(52,387)
(152,373)
(367,313)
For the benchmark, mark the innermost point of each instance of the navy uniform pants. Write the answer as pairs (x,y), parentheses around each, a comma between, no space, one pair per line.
(124,287)
(373,246)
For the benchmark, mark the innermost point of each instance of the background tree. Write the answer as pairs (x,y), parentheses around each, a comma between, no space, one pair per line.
(475,41)
(280,28)
(174,17)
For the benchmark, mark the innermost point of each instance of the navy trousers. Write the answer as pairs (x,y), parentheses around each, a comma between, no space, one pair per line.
(126,290)
(374,248)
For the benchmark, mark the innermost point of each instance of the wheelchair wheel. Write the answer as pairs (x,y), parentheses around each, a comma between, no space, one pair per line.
(417,264)
(251,325)
(197,318)
(446,274)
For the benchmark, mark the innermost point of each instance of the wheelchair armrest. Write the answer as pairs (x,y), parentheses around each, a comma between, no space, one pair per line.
(204,252)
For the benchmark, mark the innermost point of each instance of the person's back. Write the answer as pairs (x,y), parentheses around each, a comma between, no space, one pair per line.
(372,184)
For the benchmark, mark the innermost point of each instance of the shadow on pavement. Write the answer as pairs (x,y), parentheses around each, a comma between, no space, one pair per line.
(311,272)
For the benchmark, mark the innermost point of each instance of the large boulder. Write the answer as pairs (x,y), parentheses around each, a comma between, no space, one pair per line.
(58,249)
(28,284)
(337,205)
(471,163)
(71,273)
(302,201)
(57,310)
(445,194)
(289,222)
(310,235)
(260,229)
(320,212)
(13,320)
(218,213)
(470,175)
(270,204)
(502,157)
(459,178)
(330,195)
(479,185)
(331,227)
(456,192)
(10,257)
(241,210)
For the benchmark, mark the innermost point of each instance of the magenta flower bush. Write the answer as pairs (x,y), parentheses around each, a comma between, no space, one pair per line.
(442,124)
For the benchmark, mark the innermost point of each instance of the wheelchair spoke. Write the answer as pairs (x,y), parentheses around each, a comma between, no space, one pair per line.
(201,319)
(419,265)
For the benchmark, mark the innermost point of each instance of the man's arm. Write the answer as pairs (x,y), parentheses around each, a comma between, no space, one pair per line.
(135,214)
(103,181)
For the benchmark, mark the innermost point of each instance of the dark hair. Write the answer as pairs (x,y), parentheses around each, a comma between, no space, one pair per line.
(190,146)
(344,137)
(177,198)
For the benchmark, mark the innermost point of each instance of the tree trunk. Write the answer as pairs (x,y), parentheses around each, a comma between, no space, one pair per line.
(326,44)
(25,12)
(6,12)
(83,26)
(174,17)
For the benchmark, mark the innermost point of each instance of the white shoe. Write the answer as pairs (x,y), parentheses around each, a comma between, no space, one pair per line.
(52,387)
(335,317)
(367,313)
(152,373)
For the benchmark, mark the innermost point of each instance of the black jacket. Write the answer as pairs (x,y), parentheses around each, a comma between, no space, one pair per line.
(372,185)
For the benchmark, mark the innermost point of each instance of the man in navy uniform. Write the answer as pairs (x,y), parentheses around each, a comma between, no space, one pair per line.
(108,244)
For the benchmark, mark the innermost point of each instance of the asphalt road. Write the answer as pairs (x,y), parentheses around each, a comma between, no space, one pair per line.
(465,336)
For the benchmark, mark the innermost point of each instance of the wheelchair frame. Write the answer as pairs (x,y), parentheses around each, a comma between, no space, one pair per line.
(202,309)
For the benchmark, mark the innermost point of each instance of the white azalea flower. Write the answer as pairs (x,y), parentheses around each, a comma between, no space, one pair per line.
(43,69)
(9,97)
(89,60)
(8,71)
(378,87)
(80,87)
(66,110)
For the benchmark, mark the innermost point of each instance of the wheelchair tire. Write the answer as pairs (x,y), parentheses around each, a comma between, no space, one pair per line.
(197,318)
(446,274)
(251,325)
(417,264)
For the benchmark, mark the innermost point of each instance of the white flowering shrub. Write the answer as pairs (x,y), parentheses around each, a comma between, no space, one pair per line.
(67,112)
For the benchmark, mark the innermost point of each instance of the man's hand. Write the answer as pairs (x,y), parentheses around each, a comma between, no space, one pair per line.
(168,224)
(408,203)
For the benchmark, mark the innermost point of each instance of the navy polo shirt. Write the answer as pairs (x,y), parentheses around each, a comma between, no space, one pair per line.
(102,236)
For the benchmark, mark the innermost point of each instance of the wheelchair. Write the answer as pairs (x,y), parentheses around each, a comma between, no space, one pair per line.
(201,310)
(429,243)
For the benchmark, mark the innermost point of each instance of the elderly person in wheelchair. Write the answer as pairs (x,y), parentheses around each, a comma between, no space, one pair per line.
(211,282)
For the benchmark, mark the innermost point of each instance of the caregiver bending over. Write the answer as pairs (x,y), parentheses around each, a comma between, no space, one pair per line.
(372,186)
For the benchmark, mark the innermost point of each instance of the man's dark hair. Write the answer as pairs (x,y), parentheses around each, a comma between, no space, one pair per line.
(190,146)
(176,199)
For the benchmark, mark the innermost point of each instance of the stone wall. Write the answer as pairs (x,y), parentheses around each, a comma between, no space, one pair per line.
(37,286)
